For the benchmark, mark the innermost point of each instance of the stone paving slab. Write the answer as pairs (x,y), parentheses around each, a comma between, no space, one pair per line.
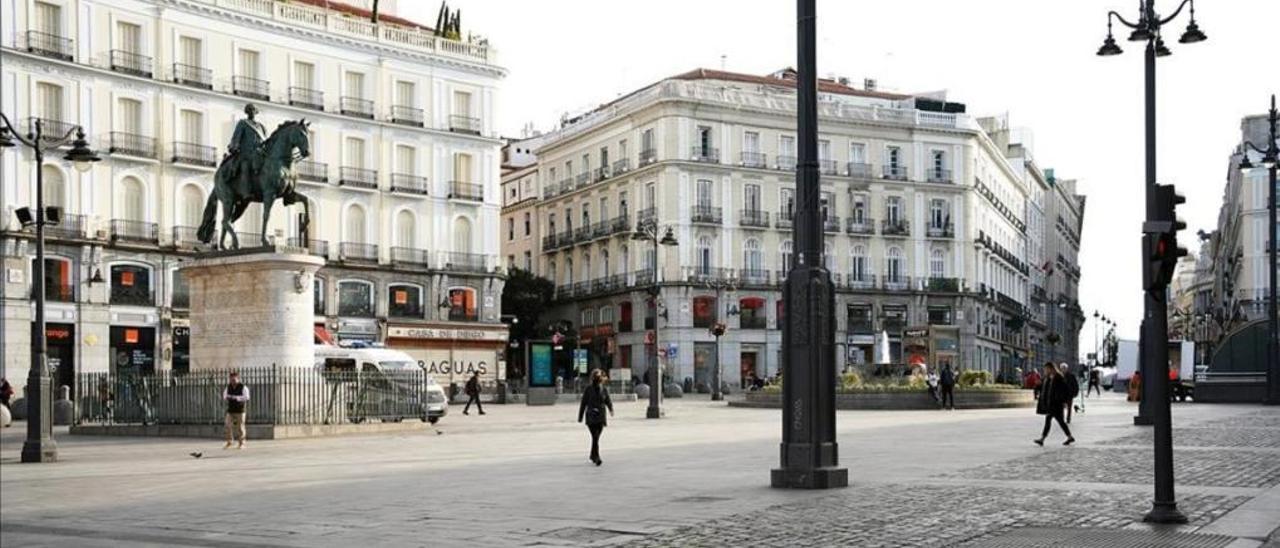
(1210,467)
(926,517)
(1043,537)
(1218,436)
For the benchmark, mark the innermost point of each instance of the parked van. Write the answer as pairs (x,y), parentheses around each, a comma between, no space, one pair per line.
(387,393)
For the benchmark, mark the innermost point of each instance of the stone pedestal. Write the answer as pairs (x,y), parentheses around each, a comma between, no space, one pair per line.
(252,308)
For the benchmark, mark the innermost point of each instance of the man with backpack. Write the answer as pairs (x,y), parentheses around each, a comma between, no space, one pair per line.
(947,381)
(1073,388)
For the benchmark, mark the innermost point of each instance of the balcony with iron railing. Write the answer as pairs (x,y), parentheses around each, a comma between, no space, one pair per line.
(50,129)
(582,234)
(470,192)
(124,230)
(358,107)
(831,223)
(708,274)
(894,173)
(358,177)
(565,185)
(50,45)
(250,87)
(863,226)
(895,227)
(643,277)
(753,218)
(621,166)
(72,227)
(786,162)
(939,175)
(941,284)
(828,167)
(566,237)
(647,216)
(128,62)
(465,262)
(785,218)
(859,279)
(319,248)
(315,172)
(946,230)
(306,98)
(896,281)
(620,224)
(600,230)
(193,154)
(551,242)
(409,184)
(705,214)
(464,124)
(859,170)
(185,236)
(648,156)
(193,75)
(56,292)
(582,180)
(601,173)
(755,277)
(131,144)
(358,252)
(407,115)
(710,155)
(409,256)
(754,159)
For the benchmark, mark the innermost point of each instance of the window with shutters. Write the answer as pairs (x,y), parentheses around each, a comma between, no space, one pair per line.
(191,126)
(751,142)
(704,255)
(304,75)
(406,160)
(129,116)
(462,103)
(250,65)
(48,18)
(55,187)
(751,260)
(355,85)
(703,194)
(858,263)
(751,197)
(128,37)
(133,202)
(355,224)
(938,263)
(405,94)
(406,229)
(49,101)
(462,167)
(462,235)
(191,51)
(192,205)
(787,256)
(354,152)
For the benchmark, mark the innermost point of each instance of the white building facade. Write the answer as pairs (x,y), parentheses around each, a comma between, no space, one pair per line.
(402,179)
(924,220)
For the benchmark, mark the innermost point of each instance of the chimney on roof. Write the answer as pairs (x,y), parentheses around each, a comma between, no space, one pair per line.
(869,84)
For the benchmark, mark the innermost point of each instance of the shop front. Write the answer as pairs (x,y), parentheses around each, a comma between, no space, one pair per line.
(60,339)
(133,350)
(933,346)
(451,354)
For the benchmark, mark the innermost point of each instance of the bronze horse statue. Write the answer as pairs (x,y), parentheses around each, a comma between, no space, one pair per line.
(273,179)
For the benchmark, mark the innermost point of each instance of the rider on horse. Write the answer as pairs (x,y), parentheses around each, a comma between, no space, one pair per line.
(245,148)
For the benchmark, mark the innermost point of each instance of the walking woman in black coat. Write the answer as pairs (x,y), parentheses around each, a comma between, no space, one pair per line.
(595,399)
(1054,395)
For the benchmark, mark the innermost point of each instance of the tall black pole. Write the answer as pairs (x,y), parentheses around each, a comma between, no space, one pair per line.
(809,457)
(655,388)
(1147,356)
(1273,331)
(1164,508)
(39,445)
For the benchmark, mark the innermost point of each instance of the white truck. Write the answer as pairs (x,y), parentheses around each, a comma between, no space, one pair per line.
(1181,353)
(431,405)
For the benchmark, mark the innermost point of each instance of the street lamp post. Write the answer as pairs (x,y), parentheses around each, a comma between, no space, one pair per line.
(809,456)
(39,445)
(1155,330)
(719,285)
(1269,159)
(648,231)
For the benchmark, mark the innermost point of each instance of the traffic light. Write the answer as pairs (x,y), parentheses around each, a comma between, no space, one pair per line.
(1160,239)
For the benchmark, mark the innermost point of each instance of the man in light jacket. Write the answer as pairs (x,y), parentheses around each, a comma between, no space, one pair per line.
(236,394)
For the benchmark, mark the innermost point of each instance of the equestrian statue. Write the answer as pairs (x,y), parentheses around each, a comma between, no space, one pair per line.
(257,168)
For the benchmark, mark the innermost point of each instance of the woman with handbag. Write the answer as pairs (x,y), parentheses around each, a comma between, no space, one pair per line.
(591,410)
(1054,395)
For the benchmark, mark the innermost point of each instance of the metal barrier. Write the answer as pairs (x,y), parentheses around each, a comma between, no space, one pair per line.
(278,396)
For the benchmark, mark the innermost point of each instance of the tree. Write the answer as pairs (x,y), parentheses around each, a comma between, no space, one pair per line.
(526,296)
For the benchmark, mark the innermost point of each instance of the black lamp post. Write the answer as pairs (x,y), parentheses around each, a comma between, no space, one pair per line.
(648,231)
(809,459)
(39,445)
(719,285)
(1155,328)
(1270,153)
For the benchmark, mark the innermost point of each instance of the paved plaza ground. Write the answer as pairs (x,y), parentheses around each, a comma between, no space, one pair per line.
(519,476)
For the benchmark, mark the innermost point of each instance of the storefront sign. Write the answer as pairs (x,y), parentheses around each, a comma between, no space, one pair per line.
(456,365)
(446,334)
(540,365)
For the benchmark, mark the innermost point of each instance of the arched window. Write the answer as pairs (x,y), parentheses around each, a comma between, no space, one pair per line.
(858,262)
(404,301)
(893,265)
(192,206)
(787,257)
(133,202)
(751,257)
(462,235)
(604,263)
(55,187)
(704,255)
(937,263)
(406,227)
(355,224)
(131,285)
(355,298)
(462,304)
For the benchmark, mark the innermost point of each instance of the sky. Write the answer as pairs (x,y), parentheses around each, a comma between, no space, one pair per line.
(1032,59)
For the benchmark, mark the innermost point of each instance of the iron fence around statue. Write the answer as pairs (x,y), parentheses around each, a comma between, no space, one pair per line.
(278,396)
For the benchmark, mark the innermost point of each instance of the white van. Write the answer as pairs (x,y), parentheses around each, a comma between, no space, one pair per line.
(434,404)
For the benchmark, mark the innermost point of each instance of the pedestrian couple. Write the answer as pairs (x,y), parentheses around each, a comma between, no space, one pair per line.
(595,400)
(1054,400)
(944,384)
